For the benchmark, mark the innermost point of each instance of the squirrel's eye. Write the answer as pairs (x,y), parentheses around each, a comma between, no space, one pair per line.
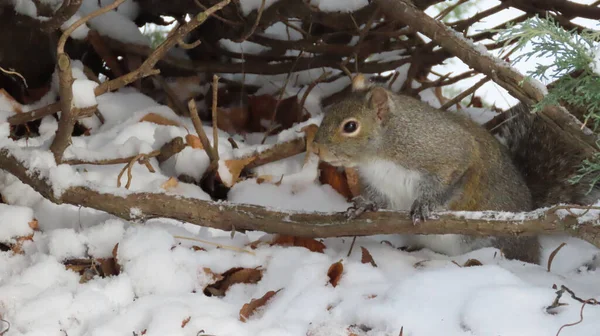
(350,127)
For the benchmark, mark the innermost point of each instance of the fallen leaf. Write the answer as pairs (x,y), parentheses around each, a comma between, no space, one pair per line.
(309,243)
(367,257)
(472,262)
(353,181)
(186,321)
(114,254)
(108,266)
(17,247)
(335,178)
(233,120)
(235,276)
(250,308)
(235,167)
(335,273)
(193,141)
(198,248)
(269,179)
(260,108)
(170,183)
(34,225)
(289,112)
(158,119)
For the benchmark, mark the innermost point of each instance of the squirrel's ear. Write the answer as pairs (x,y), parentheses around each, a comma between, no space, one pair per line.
(379,100)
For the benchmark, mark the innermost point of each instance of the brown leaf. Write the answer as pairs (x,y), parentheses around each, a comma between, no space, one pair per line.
(250,308)
(353,181)
(34,225)
(114,254)
(260,108)
(289,112)
(235,167)
(235,276)
(158,119)
(17,247)
(198,248)
(170,183)
(233,120)
(472,262)
(186,321)
(193,141)
(108,266)
(335,273)
(335,178)
(367,257)
(269,179)
(309,243)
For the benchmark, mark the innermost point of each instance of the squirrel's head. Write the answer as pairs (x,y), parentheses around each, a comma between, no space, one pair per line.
(351,130)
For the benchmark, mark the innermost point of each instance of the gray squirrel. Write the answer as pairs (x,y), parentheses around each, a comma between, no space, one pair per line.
(412,156)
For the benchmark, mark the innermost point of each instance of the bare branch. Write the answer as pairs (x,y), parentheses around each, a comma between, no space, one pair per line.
(247,217)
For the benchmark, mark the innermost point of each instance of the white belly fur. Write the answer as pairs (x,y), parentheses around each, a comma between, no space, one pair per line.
(398,186)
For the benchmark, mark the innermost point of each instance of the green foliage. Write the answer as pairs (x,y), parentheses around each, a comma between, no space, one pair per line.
(571,52)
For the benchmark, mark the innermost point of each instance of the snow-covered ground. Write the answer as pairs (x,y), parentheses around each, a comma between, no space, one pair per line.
(170,272)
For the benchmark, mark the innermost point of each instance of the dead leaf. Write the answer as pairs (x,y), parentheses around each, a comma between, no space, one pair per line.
(17,247)
(309,243)
(335,273)
(193,141)
(289,112)
(186,321)
(335,178)
(34,225)
(250,308)
(353,181)
(235,167)
(108,266)
(114,254)
(158,119)
(472,262)
(367,257)
(170,183)
(233,120)
(260,108)
(198,248)
(269,179)
(235,276)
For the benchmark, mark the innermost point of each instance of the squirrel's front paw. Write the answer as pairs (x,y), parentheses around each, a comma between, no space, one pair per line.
(420,211)
(360,206)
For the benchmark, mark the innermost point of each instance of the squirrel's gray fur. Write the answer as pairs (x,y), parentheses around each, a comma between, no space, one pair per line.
(409,152)
(545,159)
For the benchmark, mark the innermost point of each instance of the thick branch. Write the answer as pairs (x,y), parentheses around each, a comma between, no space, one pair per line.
(504,75)
(65,12)
(247,217)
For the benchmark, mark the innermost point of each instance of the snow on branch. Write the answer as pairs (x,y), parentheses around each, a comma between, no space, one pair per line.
(229,217)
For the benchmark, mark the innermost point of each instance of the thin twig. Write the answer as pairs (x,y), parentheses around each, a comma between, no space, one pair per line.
(226,247)
(465,93)
(258,16)
(214,116)
(8,72)
(200,131)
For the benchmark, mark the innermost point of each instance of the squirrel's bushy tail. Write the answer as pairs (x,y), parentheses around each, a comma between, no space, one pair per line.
(545,159)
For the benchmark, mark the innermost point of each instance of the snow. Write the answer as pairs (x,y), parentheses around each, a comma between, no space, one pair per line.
(162,278)
(83,93)
(80,32)
(596,62)
(14,222)
(338,5)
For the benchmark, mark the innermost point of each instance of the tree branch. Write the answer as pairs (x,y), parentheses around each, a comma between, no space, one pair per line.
(503,74)
(248,217)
